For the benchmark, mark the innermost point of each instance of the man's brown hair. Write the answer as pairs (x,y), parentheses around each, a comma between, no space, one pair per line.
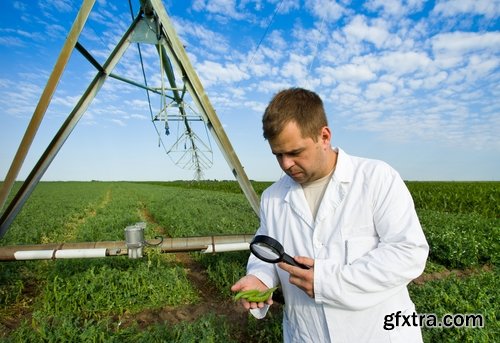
(300,105)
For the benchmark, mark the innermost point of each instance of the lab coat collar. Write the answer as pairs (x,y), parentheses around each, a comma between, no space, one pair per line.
(296,199)
(338,186)
(344,171)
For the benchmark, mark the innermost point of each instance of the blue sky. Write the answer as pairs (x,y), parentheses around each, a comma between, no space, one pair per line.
(414,83)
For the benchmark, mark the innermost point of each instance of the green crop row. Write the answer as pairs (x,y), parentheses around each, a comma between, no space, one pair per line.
(51,209)
(187,212)
(482,198)
(460,240)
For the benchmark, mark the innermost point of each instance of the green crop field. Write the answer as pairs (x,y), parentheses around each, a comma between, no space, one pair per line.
(185,297)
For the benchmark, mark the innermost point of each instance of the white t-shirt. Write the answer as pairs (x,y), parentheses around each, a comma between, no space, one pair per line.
(314,192)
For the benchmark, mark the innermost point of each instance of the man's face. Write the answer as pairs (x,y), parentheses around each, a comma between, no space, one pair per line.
(302,158)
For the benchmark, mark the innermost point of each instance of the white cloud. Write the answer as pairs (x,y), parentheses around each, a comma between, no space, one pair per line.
(296,67)
(137,104)
(346,87)
(288,5)
(260,69)
(256,106)
(56,31)
(193,32)
(433,81)
(395,8)
(60,5)
(400,63)
(327,10)
(481,66)
(379,89)
(118,122)
(19,99)
(66,101)
(223,9)
(11,41)
(139,116)
(450,8)
(459,43)
(359,30)
(350,73)
(217,73)
(272,86)
(276,41)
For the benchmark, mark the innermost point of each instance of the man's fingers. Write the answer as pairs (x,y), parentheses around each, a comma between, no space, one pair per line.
(304,260)
(236,287)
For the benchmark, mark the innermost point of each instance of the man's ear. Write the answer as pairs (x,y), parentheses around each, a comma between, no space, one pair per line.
(326,135)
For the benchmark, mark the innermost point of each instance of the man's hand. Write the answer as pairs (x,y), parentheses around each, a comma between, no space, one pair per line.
(247,283)
(302,278)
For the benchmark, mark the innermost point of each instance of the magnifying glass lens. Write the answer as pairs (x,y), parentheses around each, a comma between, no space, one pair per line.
(270,250)
(266,252)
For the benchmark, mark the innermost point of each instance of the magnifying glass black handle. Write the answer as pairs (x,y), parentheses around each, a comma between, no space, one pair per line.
(289,259)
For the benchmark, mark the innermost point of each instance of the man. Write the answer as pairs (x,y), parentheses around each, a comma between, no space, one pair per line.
(352,220)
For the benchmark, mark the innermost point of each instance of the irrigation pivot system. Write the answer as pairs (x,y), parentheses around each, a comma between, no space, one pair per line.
(183,101)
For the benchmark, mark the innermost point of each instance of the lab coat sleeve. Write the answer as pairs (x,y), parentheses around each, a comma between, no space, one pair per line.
(387,267)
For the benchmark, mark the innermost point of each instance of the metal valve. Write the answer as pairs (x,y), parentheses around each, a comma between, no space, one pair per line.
(134,237)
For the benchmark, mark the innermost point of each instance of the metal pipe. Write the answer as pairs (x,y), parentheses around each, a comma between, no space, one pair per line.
(205,244)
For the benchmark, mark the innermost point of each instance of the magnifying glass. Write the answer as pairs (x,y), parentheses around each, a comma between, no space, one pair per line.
(270,250)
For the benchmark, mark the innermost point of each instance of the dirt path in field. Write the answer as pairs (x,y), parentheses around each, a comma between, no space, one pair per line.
(461,273)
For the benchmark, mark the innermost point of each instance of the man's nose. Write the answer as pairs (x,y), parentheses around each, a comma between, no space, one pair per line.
(287,162)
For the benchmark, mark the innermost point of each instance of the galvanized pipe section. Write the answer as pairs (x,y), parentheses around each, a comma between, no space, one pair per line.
(206,244)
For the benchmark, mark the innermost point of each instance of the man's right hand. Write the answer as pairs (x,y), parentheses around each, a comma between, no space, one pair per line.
(247,283)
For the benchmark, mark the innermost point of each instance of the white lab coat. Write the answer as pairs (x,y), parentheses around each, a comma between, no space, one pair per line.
(367,245)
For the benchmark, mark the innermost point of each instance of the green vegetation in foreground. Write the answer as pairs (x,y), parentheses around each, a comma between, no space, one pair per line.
(90,300)
(477,293)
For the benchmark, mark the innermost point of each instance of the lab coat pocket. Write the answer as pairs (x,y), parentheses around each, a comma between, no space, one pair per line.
(357,247)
